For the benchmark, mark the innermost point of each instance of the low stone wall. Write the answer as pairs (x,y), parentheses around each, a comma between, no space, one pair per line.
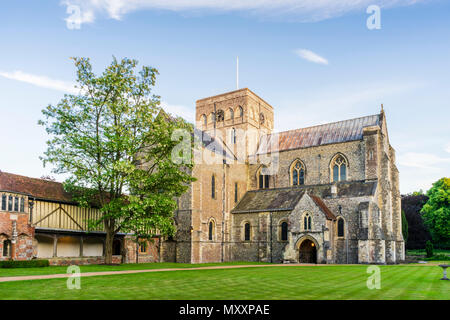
(82,261)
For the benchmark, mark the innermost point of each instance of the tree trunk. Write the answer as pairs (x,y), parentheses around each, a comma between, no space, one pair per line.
(109,246)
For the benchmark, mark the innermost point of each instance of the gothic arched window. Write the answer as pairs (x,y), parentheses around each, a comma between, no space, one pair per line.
(298,173)
(261,118)
(231,113)
(307,222)
(284,231)
(203,120)
(211,229)
(241,112)
(247,231)
(339,168)
(340,227)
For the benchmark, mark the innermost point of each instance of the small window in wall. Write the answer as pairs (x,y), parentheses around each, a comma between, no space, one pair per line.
(307,222)
(263,180)
(10,203)
(16,204)
(284,231)
(143,247)
(235,192)
(247,231)
(3,202)
(211,228)
(6,248)
(340,227)
(233,136)
(213,186)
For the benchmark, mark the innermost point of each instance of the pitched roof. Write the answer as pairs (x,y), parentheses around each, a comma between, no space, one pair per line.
(37,188)
(335,132)
(266,200)
(318,201)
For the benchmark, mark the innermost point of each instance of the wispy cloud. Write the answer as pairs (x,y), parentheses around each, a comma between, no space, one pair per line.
(447,148)
(40,81)
(422,160)
(299,10)
(311,56)
(179,110)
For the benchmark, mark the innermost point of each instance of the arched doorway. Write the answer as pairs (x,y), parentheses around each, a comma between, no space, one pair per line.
(307,252)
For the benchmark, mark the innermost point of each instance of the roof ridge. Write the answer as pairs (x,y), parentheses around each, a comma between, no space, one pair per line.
(28,177)
(324,124)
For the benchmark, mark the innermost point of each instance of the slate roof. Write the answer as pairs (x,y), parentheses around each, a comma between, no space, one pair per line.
(323,207)
(37,188)
(335,132)
(269,200)
(285,199)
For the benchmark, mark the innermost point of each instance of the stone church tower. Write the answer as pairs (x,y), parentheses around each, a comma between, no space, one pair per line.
(333,196)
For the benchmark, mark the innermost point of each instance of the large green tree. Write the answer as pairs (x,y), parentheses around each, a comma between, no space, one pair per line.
(436,212)
(115,143)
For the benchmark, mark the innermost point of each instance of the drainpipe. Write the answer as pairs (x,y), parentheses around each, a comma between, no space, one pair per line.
(271,238)
(223,208)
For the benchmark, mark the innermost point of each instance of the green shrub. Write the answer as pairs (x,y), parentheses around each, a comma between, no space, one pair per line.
(429,249)
(24,263)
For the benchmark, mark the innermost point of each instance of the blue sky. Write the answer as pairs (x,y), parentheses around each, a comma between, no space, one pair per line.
(405,65)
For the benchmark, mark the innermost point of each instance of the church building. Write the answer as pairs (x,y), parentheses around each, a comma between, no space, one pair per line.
(323,194)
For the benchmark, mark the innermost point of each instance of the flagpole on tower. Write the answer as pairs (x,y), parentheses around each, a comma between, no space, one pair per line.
(237,73)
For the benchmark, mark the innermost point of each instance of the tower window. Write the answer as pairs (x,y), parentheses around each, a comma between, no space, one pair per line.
(298,173)
(241,112)
(233,136)
(220,115)
(261,118)
(235,192)
(231,113)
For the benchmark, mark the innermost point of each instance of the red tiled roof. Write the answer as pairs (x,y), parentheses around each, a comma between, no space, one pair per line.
(37,188)
(323,207)
(336,132)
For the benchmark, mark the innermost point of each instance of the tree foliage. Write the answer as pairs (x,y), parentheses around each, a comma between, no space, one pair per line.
(436,212)
(418,233)
(404,227)
(114,142)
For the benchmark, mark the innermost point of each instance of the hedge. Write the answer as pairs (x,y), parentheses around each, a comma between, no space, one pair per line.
(24,263)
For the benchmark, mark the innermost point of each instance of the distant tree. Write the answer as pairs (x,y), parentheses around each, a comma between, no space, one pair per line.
(429,249)
(115,143)
(404,227)
(418,233)
(436,212)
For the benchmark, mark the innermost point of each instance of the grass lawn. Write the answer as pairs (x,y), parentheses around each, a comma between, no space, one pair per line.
(10,272)
(306,282)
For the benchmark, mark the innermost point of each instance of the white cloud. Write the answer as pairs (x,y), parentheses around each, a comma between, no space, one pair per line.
(447,148)
(41,81)
(422,160)
(311,56)
(179,110)
(299,10)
